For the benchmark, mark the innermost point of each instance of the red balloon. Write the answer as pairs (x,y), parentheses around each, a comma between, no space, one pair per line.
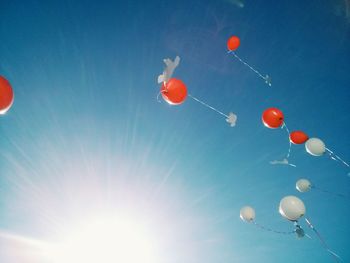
(174,91)
(272,118)
(6,95)
(233,43)
(298,137)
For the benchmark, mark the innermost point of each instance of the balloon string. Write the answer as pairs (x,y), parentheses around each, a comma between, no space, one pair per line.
(284,161)
(246,64)
(271,230)
(208,106)
(158,96)
(330,193)
(265,78)
(162,91)
(324,244)
(290,143)
(336,157)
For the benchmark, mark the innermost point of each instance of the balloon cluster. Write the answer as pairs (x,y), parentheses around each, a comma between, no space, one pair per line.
(291,208)
(273,118)
(174,92)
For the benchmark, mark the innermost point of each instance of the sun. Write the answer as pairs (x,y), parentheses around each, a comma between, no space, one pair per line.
(107,240)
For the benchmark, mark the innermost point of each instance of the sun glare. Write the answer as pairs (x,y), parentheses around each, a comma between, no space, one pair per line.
(107,240)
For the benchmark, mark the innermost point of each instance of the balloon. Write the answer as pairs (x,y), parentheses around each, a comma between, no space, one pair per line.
(303,185)
(174,91)
(315,147)
(272,118)
(6,95)
(233,43)
(247,214)
(291,208)
(298,137)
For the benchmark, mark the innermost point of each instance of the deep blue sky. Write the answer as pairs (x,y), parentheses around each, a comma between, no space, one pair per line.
(87,132)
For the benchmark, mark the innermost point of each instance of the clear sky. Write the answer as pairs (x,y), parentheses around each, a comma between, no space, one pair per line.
(86,134)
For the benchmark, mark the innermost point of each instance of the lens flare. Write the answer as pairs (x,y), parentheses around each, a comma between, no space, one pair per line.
(107,240)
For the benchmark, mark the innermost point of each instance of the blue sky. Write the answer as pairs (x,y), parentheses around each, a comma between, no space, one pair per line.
(86,134)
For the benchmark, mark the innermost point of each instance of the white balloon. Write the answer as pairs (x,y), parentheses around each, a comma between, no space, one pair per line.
(247,214)
(292,208)
(315,147)
(303,185)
